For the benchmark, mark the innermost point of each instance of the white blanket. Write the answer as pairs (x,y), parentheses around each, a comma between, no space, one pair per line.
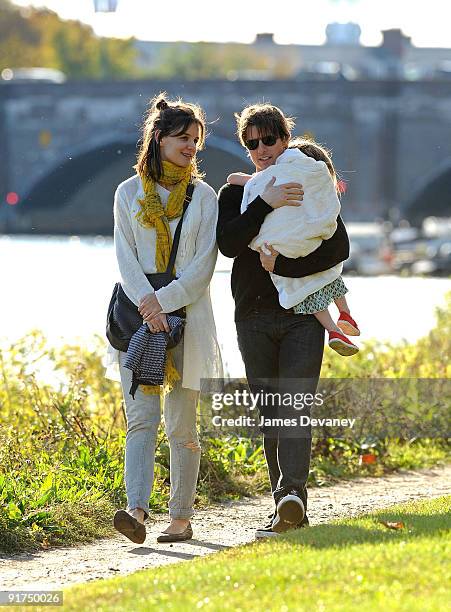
(296,231)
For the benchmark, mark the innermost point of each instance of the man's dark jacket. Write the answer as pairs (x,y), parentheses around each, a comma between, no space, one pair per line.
(252,287)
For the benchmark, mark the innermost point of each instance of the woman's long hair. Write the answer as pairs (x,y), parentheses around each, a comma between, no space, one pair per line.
(171,119)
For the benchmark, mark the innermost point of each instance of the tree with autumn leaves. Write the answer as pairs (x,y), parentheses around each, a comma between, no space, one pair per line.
(32,37)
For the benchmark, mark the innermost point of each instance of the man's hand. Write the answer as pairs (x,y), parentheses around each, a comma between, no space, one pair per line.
(149,306)
(288,194)
(268,261)
(158,323)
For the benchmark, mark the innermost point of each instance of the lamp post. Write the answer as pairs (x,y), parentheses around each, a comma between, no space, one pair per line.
(105,6)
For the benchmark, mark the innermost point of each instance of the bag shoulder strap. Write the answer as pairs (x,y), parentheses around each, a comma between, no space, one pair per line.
(175,242)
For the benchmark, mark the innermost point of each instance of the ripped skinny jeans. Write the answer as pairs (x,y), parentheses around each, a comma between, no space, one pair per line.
(143,418)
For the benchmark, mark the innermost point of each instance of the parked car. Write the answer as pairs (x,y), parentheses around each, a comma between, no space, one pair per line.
(408,247)
(438,258)
(371,252)
(32,75)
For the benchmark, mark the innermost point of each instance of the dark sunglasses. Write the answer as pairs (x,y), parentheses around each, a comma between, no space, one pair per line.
(268,141)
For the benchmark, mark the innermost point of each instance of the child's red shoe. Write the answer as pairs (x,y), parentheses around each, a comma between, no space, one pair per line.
(341,344)
(347,324)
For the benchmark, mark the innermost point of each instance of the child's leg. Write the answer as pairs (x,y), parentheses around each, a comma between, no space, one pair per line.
(345,322)
(342,304)
(326,320)
(337,341)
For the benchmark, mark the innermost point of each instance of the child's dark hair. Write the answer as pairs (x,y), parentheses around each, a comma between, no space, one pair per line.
(313,149)
(171,119)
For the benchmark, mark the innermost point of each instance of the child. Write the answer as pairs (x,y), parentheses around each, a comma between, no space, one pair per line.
(297,231)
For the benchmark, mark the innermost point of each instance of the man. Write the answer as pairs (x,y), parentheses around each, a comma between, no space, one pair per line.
(280,349)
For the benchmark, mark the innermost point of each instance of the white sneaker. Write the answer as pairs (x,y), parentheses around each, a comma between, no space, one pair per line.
(289,514)
(266,532)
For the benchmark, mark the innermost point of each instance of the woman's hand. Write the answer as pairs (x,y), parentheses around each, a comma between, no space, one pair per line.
(268,261)
(288,194)
(150,310)
(149,306)
(158,323)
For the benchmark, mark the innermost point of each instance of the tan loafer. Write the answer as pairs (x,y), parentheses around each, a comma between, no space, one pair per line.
(129,527)
(184,535)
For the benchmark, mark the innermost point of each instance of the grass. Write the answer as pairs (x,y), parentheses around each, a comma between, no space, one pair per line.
(61,446)
(337,460)
(350,564)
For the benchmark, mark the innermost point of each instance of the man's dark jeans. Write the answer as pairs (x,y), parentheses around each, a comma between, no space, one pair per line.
(283,350)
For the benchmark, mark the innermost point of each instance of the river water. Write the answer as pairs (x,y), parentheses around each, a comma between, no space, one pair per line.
(62,286)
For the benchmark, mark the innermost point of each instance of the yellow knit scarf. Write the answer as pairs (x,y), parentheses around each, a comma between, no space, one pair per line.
(153,214)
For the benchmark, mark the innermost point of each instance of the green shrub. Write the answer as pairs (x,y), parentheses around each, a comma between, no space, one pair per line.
(62,439)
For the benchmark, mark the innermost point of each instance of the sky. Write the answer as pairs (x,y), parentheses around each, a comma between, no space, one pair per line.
(291,21)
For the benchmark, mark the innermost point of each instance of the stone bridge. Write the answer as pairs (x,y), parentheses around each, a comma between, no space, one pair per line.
(64,148)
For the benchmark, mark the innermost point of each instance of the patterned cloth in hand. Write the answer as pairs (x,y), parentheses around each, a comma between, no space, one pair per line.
(146,355)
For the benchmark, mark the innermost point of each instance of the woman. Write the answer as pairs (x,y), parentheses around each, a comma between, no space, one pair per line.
(147,209)
(281,350)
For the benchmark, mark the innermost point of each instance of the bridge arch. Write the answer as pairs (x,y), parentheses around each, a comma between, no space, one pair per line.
(433,196)
(76,195)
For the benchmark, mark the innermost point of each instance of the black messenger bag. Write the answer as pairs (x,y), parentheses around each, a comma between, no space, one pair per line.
(123,318)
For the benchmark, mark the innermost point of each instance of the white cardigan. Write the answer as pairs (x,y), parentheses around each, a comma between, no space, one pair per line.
(296,231)
(195,262)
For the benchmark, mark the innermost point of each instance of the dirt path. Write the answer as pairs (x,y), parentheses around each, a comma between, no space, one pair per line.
(219,527)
